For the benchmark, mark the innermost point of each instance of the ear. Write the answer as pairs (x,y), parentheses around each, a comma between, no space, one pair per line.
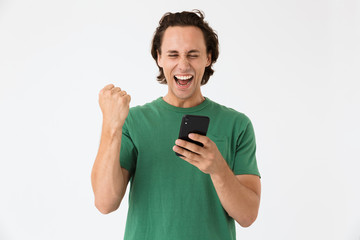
(208,63)
(159,60)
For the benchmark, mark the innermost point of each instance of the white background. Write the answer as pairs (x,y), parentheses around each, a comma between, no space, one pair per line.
(291,66)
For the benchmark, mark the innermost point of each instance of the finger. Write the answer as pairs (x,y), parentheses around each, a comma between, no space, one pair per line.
(123,93)
(109,86)
(115,89)
(188,145)
(128,97)
(190,156)
(106,88)
(192,162)
(199,138)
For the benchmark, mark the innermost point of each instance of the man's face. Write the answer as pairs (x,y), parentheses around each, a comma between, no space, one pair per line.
(183,59)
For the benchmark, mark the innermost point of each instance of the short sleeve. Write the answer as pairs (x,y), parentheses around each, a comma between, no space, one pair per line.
(128,153)
(245,157)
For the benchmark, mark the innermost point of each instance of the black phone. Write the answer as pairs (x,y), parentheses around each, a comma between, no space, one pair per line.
(193,124)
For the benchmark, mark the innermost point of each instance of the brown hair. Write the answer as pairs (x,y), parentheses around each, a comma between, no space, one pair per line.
(194,18)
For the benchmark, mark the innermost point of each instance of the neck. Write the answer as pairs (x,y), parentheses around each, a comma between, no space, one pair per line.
(184,103)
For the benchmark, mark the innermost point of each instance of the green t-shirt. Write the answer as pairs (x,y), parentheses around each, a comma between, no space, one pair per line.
(169,198)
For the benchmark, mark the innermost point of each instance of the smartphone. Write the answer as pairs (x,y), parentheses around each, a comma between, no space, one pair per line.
(193,124)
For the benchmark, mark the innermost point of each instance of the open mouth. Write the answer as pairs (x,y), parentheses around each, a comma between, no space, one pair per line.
(183,80)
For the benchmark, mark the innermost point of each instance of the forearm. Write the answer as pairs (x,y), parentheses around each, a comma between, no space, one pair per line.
(106,177)
(239,201)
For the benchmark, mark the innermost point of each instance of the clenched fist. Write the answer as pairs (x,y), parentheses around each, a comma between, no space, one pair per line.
(114,105)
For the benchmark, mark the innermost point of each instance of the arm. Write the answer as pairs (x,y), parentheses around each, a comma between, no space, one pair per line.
(239,195)
(109,180)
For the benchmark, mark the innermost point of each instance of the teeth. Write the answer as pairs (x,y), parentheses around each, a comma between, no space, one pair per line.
(183,77)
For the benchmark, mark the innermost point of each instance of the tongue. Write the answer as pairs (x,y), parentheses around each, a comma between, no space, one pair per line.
(183,82)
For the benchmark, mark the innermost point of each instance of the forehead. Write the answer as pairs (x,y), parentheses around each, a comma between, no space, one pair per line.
(182,38)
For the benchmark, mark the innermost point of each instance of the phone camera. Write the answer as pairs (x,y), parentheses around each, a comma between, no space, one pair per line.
(185,122)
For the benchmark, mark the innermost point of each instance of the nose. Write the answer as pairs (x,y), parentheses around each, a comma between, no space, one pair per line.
(183,64)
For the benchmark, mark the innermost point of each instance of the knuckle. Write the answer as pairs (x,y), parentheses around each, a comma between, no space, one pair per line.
(123,100)
(108,87)
(115,89)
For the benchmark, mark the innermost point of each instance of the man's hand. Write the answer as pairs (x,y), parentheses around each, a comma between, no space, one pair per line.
(207,158)
(114,105)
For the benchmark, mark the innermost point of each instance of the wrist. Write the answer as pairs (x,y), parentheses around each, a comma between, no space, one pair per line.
(222,173)
(111,132)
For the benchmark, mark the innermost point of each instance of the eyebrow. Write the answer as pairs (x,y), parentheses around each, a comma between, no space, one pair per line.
(191,51)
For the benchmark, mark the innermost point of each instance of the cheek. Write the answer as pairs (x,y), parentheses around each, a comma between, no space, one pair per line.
(198,65)
(168,67)
(199,68)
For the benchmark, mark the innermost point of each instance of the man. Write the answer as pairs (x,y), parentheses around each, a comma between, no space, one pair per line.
(196,196)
